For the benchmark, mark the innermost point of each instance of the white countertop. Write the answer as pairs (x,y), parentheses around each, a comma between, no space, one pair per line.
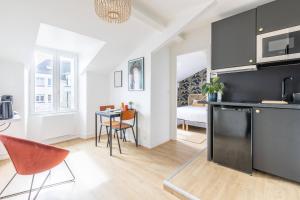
(15,118)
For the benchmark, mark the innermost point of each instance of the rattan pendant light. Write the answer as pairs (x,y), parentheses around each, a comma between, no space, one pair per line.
(113,11)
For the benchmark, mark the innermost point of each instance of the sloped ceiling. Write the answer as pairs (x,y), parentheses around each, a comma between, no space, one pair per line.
(20,20)
(189,64)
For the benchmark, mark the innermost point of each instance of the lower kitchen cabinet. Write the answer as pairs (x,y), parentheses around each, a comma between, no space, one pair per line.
(276,142)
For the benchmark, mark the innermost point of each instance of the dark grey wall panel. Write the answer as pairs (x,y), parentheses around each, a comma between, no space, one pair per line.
(278,15)
(276,140)
(262,84)
(234,41)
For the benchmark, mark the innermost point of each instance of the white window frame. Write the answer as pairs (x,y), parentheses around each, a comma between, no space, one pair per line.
(55,83)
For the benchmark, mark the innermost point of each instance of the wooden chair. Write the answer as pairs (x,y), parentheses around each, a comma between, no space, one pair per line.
(106,124)
(129,115)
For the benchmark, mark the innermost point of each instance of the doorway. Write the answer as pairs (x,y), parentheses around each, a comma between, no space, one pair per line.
(191,112)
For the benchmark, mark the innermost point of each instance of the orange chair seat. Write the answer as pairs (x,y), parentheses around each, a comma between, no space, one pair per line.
(123,126)
(30,157)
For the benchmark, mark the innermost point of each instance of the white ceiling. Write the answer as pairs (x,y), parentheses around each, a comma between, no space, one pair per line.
(189,64)
(20,20)
(169,9)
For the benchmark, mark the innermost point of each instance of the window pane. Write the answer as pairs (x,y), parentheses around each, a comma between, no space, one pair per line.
(67,86)
(43,73)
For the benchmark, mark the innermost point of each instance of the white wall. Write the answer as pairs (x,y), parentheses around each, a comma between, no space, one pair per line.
(141,99)
(160,97)
(197,40)
(157,104)
(97,94)
(82,104)
(12,76)
(152,103)
(46,127)
(93,92)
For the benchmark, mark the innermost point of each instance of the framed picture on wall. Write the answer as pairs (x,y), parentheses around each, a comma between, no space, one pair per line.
(136,74)
(118,82)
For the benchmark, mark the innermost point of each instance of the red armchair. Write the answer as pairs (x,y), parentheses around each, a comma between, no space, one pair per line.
(30,158)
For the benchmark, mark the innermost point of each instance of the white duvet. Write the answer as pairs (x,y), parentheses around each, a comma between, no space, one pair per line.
(192,113)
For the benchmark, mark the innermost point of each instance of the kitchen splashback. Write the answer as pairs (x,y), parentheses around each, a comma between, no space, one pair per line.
(264,84)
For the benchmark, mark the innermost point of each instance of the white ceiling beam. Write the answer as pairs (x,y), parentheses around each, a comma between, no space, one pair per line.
(177,26)
(149,18)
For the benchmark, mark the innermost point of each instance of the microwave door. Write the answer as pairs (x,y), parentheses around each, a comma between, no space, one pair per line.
(294,45)
(279,45)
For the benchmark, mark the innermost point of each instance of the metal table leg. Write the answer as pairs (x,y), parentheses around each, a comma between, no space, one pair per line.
(137,130)
(110,135)
(96,129)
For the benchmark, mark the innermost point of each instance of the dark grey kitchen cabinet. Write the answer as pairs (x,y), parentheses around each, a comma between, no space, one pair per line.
(234,41)
(276,142)
(278,15)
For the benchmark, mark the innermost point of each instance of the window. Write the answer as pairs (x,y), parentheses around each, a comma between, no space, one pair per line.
(39,98)
(40,81)
(49,82)
(49,98)
(55,81)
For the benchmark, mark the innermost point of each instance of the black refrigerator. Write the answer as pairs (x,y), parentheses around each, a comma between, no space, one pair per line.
(232,137)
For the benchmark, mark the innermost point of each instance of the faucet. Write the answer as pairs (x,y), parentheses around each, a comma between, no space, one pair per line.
(284,96)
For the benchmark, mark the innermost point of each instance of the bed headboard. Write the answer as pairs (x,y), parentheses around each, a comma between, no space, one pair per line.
(193,97)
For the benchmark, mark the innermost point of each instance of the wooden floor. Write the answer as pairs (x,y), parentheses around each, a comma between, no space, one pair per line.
(210,181)
(136,174)
(194,135)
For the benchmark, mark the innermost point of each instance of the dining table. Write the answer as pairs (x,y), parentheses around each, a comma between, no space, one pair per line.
(111,115)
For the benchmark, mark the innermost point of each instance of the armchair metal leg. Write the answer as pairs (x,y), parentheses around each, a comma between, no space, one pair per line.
(32,180)
(7,185)
(42,185)
(39,188)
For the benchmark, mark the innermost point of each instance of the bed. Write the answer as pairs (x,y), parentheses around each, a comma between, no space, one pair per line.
(195,114)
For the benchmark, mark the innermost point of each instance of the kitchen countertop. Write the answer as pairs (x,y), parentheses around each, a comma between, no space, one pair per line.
(258,105)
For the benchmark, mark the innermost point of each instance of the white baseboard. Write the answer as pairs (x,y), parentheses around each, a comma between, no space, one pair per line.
(89,136)
(60,139)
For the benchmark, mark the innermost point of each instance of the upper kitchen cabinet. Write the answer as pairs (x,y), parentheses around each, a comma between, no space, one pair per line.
(234,41)
(278,15)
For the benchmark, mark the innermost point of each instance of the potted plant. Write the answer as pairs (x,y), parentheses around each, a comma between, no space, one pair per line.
(213,88)
(130,103)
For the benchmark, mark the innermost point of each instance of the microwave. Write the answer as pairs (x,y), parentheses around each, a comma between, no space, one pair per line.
(281,45)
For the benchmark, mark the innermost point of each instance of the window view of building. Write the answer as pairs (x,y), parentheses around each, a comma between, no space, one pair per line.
(66,83)
(43,73)
(50,67)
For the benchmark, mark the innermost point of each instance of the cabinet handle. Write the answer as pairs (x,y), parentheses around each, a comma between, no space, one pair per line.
(257,111)
(250,61)
(260,29)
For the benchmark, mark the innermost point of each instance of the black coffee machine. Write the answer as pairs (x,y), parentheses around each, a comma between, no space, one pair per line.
(6,111)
